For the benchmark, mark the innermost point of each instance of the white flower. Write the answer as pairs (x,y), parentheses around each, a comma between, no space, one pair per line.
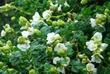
(91,45)
(36,19)
(53,6)
(56,59)
(65,61)
(61,69)
(93,22)
(51,37)
(3,33)
(75,21)
(103,46)
(59,47)
(47,14)
(25,33)
(66,4)
(91,68)
(96,58)
(97,36)
(31,30)
(23,47)
(60,8)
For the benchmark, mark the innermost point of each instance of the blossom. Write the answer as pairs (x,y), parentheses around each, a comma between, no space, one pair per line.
(59,47)
(25,33)
(96,58)
(3,33)
(47,14)
(53,6)
(23,47)
(103,46)
(56,59)
(66,4)
(91,45)
(60,8)
(67,61)
(97,36)
(61,69)
(93,22)
(51,37)
(91,68)
(36,19)
(63,61)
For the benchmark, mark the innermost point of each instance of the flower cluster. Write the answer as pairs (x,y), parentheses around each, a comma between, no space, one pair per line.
(96,46)
(99,21)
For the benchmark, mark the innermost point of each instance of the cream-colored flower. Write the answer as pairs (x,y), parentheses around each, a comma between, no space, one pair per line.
(93,22)
(91,68)
(25,33)
(59,47)
(47,14)
(51,37)
(66,4)
(66,61)
(23,47)
(91,45)
(60,8)
(97,36)
(3,33)
(96,58)
(103,46)
(36,19)
(56,59)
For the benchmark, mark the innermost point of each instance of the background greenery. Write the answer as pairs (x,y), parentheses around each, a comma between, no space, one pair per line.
(36,58)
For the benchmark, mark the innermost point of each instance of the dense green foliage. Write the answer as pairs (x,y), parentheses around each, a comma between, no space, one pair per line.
(57,41)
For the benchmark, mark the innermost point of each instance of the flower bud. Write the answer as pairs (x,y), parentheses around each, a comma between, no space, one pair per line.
(21,40)
(37,32)
(23,21)
(9,30)
(53,70)
(11,71)
(84,2)
(9,43)
(49,22)
(60,23)
(1,64)
(84,60)
(54,23)
(1,43)
(49,50)
(100,19)
(13,18)
(107,11)
(62,52)
(32,71)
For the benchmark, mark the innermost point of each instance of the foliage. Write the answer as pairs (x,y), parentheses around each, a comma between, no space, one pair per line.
(55,37)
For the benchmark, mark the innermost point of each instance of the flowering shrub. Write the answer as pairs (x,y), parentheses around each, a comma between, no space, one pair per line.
(55,37)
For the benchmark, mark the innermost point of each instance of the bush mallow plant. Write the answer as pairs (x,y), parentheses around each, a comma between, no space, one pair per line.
(96,46)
